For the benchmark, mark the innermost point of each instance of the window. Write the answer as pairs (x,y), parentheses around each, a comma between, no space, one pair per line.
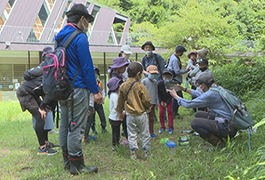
(43,14)
(39,23)
(6,12)
(50,3)
(94,13)
(63,16)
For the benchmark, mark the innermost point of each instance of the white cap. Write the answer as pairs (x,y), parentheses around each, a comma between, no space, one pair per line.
(126,49)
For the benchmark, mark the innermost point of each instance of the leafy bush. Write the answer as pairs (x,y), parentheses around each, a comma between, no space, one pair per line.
(241,78)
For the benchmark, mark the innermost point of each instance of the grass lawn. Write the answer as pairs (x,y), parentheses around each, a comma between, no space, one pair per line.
(19,159)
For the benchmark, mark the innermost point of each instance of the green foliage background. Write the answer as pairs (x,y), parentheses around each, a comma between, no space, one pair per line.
(221,26)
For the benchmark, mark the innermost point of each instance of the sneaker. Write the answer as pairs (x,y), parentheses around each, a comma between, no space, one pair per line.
(161,130)
(52,131)
(47,151)
(153,135)
(89,138)
(51,145)
(133,154)
(147,153)
(170,130)
(126,142)
(114,150)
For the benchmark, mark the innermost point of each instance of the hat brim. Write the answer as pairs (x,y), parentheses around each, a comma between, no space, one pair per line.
(153,72)
(167,73)
(119,65)
(75,12)
(153,47)
(128,52)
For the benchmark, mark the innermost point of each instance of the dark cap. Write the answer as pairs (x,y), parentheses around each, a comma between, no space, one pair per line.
(79,9)
(95,68)
(134,68)
(148,43)
(167,71)
(119,62)
(203,61)
(206,78)
(46,50)
(113,83)
(180,49)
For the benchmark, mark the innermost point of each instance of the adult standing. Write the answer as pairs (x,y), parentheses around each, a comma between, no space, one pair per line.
(212,126)
(151,58)
(78,56)
(175,65)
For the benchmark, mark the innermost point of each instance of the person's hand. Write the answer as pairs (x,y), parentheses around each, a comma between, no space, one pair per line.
(173,93)
(179,87)
(165,104)
(121,116)
(97,98)
(42,114)
(103,101)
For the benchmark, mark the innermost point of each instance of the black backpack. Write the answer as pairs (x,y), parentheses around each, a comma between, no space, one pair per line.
(55,79)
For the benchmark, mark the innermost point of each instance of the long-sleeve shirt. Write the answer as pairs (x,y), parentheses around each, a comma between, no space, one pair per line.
(113,114)
(174,64)
(163,95)
(210,99)
(151,86)
(78,54)
(190,64)
(136,101)
(152,61)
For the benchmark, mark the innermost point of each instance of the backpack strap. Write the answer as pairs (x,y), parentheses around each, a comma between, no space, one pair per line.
(70,38)
(156,59)
(130,88)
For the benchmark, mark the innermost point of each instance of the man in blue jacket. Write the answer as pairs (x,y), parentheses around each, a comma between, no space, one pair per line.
(212,126)
(78,55)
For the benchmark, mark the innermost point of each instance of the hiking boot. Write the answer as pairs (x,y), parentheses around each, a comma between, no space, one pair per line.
(170,130)
(161,130)
(47,151)
(153,135)
(78,166)
(133,154)
(66,164)
(51,145)
(215,141)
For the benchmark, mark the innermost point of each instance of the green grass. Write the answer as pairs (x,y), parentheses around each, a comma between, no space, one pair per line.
(19,159)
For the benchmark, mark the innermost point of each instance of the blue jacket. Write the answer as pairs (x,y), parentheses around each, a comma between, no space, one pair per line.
(210,99)
(78,53)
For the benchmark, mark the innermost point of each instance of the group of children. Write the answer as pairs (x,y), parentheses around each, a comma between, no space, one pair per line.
(132,103)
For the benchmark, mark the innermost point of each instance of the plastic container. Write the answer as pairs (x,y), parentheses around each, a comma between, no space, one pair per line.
(183,138)
(164,140)
(185,143)
(171,147)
